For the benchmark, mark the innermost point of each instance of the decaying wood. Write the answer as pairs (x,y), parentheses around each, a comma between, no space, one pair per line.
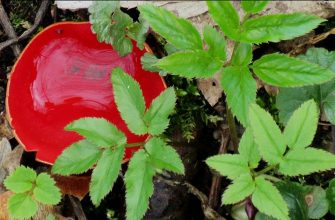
(8,28)
(38,19)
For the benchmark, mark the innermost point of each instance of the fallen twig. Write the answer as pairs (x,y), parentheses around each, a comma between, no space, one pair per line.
(38,19)
(216,180)
(77,208)
(8,28)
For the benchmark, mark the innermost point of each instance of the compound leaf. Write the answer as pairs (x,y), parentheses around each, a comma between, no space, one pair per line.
(253,6)
(269,139)
(138,31)
(303,161)
(46,191)
(248,148)
(225,15)
(242,55)
(229,165)
(157,115)
(99,131)
(21,206)
(177,31)
(241,187)
(77,158)
(267,199)
(105,174)
(21,180)
(163,156)
(216,43)
(139,186)
(300,129)
(240,89)
(282,70)
(278,27)
(129,101)
(190,64)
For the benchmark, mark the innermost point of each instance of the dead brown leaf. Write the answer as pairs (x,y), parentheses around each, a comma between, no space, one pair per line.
(3,205)
(77,186)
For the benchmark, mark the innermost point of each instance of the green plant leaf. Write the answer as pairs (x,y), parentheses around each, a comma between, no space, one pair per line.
(229,165)
(138,31)
(300,129)
(282,70)
(330,193)
(199,64)
(139,186)
(225,15)
(267,199)
(319,205)
(278,27)
(105,174)
(112,25)
(290,99)
(293,195)
(21,180)
(148,62)
(262,216)
(241,187)
(129,101)
(268,137)
(177,31)
(21,206)
(46,191)
(248,148)
(302,161)
(99,131)
(216,43)
(253,6)
(163,156)
(77,158)
(240,89)
(242,55)
(51,217)
(157,115)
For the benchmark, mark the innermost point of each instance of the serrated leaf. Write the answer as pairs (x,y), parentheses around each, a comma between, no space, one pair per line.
(21,180)
(229,165)
(300,129)
(177,31)
(226,16)
(268,137)
(190,64)
(278,27)
(289,99)
(46,191)
(330,193)
(216,43)
(105,174)
(163,156)
(77,158)
(99,131)
(319,204)
(21,206)
(242,55)
(282,70)
(148,62)
(293,195)
(253,6)
(267,199)
(161,107)
(305,161)
(240,89)
(139,186)
(262,216)
(138,31)
(242,187)
(111,25)
(248,148)
(129,101)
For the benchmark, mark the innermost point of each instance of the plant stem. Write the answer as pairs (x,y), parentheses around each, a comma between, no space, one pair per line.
(271,178)
(265,170)
(232,128)
(137,144)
